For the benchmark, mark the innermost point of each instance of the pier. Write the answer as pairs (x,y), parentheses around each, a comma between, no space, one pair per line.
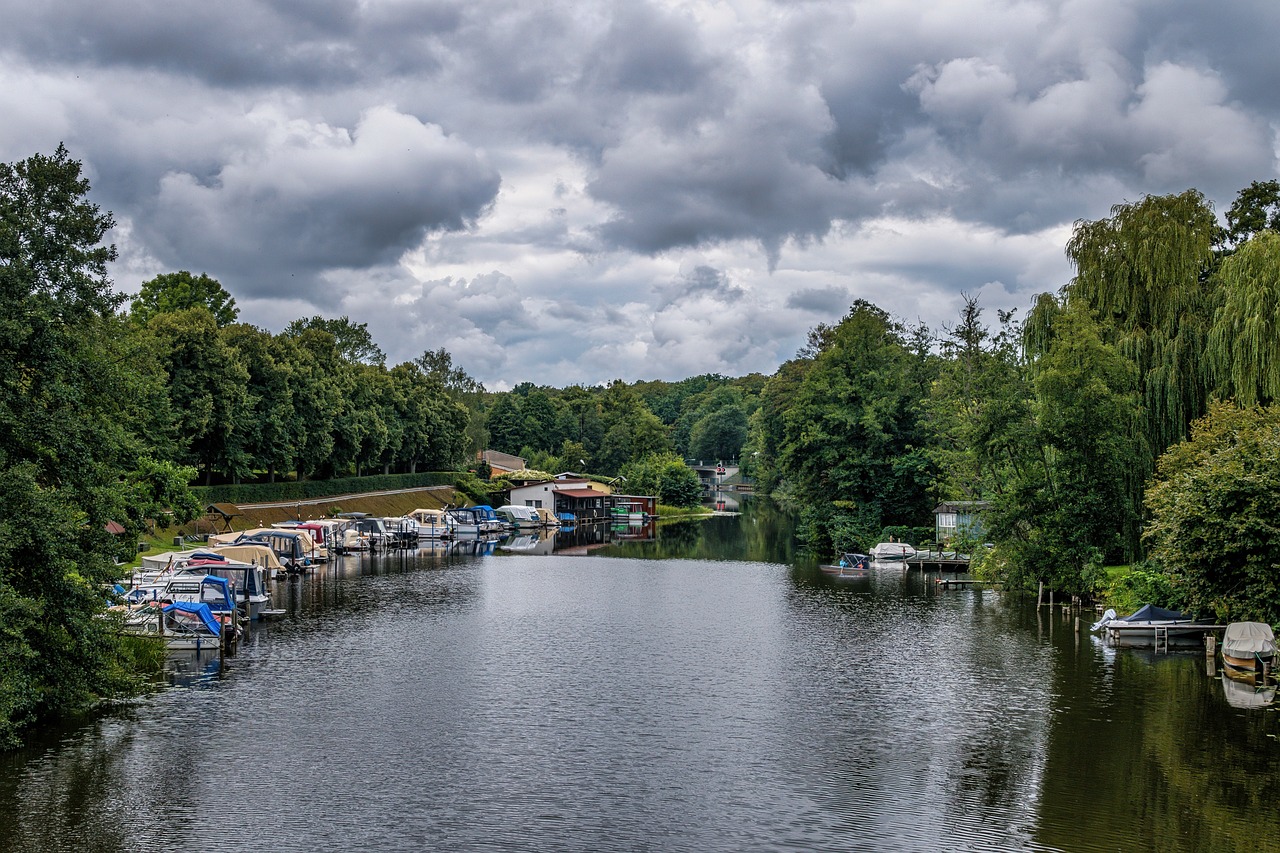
(942,561)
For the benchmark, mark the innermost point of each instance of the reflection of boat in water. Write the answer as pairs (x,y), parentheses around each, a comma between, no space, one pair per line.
(1152,627)
(1247,647)
(1242,694)
(849,565)
(888,551)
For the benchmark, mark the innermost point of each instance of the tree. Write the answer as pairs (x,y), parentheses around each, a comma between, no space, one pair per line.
(1214,506)
(67,386)
(1145,271)
(273,423)
(1256,209)
(352,339)
(1070,505)
(505,424)
(178,291)
(719,434)
(852,444)
(1244,342)
(666,476)
(207,392)
(979,409)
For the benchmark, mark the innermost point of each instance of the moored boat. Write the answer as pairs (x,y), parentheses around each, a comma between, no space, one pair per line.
(182,625)
(1247,648)
(849,565)
(1152,627)
(886,551)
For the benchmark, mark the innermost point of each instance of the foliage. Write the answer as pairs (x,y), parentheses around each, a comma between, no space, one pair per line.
(1256,209)
(1141,585)
(1244,343)
(180,291)
(67,404)
(979,408)
(1070,502)
(1215,515)
(666,476)
(352,339)
(1145,271)
(850,425)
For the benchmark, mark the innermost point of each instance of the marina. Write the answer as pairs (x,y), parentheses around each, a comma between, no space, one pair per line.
(694,686)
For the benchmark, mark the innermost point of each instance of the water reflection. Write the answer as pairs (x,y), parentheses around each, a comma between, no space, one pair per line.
(698,687)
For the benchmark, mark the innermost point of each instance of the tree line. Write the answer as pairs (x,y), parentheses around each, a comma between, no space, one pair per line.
(1128,418)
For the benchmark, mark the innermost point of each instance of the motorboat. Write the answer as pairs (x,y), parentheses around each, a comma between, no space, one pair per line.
(887,551)
(520,517)
(1151,627)
(432,524)
(849,565)
(182,625)
(1247,648)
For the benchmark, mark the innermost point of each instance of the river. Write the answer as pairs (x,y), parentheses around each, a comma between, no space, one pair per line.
(702,690)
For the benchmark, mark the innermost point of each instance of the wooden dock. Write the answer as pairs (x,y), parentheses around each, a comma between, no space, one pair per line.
(942,561)
(958,583)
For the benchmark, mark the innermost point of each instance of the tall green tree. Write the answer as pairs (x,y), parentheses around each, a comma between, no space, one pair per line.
(1071,505)
(208,392)
(853,441)
(1145,271)
(67,455)
(1244,342)
(352,339)
(179,291)
(979,408)
(272,426)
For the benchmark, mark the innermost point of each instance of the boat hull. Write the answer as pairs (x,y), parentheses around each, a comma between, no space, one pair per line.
(1137,636)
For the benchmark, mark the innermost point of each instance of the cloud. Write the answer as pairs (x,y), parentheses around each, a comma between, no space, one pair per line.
(569,192)
(317,197)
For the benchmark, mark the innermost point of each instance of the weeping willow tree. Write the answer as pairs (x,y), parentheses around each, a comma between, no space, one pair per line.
(1244,343)
(1145,272)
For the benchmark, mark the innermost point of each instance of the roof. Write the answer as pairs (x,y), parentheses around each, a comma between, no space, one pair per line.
(503,461)
(579,493)
(962,506)
(225,510)
(114,528)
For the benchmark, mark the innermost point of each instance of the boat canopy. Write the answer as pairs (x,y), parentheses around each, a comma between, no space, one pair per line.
(200,610)
(1151,613)
(1243,639)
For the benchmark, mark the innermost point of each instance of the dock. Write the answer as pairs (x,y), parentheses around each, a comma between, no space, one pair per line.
(958,583)
(942,561)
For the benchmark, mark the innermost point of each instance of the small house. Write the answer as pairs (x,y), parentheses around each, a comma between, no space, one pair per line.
(959,519)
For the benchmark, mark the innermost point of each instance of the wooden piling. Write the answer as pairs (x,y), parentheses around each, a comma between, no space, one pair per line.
(1211,655)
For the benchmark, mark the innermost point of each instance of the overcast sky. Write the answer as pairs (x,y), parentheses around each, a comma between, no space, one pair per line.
(567,192)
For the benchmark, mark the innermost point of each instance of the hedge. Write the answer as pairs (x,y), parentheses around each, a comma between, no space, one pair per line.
(251,493)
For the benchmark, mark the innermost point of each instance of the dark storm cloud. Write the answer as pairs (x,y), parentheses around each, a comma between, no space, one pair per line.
(651,187)
(307,43)
(320,201)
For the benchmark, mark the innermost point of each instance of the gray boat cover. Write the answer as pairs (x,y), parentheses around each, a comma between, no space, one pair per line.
(1246,639)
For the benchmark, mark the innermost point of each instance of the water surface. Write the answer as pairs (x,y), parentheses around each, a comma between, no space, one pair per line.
(702,690)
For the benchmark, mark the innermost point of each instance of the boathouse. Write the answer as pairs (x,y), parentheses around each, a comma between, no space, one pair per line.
(962,519)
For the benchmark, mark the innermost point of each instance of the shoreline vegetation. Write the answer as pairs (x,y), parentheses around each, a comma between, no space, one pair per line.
(1129,419)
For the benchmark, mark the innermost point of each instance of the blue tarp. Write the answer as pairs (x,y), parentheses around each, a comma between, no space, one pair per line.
(201,610)
(1151,613)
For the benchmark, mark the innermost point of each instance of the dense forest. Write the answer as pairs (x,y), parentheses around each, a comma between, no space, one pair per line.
(1127,418)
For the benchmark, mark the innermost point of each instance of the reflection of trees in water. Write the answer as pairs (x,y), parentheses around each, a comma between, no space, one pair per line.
(761,532)
(1148,755)
(70,798)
